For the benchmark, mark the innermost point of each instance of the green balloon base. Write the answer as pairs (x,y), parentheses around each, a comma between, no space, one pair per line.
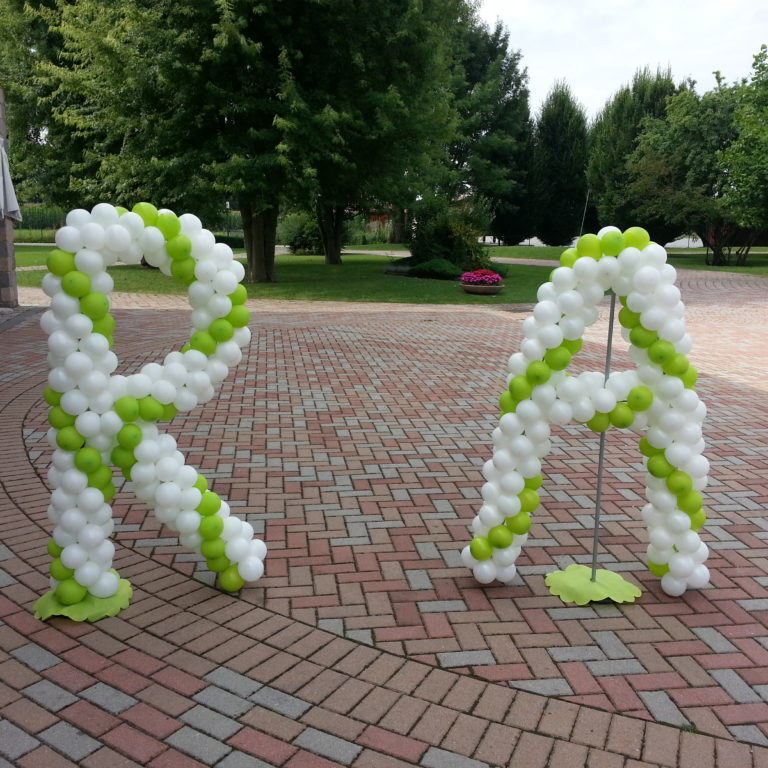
(575,585)
(90,608)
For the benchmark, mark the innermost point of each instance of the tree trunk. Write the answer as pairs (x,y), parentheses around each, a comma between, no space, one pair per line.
(399,233)
(259,217)
(330,220)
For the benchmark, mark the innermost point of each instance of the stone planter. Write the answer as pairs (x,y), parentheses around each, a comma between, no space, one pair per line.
(483,290)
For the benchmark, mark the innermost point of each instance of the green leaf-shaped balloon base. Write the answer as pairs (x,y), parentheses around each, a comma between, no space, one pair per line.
(90,608)
(575,585)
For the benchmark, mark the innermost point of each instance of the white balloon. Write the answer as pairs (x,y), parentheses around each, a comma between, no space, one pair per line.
(88,574)
(485,572)
(251,569)
(672,586)
(106,585)
(74,556)
(68,239)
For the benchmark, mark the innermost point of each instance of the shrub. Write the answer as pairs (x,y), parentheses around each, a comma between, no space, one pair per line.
(439,269)
(450,231)
(300,233)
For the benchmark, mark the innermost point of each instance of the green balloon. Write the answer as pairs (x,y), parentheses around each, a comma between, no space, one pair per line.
(211,527)
(69,592)
(239,295)
(169,412)
(589,245)
(104,325)
(231,580)
(558,358)
(640,398)
(520,388)
(621,416)
(529,499)
(519,524)
(636,237)
(599,422)
(500,537)
(689,377)
(59,571)
(184,270)
(94,305)
(101,477)
(54,550)
(150,409)
(647,449)
(108,490)
(69,439)
(201,483)
(480,548)
(628,318)
(148,213)
(612,243)
(218,564)
(59,418)
(642,337)
(76,283)
(60,262)
(538,372)
(534,483)
(127,408)
(204,342)
(213,549)
(679,482)
(690,502)
(507,403)
(661,352)
(123,458)
(129,436)
(676,366)
(87,460)
(168,223)
(239,317)
(179,247)
(51,396)
(698,519)
(658,466)
(573,345)
(120,210)
(656,569)
(209,504)
(221,330)
(568,257)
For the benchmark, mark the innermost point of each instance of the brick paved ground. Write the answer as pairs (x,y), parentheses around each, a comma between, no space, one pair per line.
(352,436)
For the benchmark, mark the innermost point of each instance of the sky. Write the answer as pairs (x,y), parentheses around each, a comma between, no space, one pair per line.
(597,45)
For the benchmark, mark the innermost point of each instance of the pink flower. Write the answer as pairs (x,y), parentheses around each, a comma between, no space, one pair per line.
(481,277)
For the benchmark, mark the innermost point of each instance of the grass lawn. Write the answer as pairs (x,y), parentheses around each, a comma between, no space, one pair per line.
(542,252)
(377,247)
(31,255)
(360,278)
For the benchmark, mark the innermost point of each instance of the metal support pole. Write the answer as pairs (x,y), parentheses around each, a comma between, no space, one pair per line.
(601,455)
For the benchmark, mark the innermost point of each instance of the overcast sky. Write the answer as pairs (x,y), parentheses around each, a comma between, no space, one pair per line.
(597,45)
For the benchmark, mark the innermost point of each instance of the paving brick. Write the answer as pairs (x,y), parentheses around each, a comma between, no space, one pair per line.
(49,695)
(151,720)
(133,743)
(35,657)
(109,698)
(532,751)
(233,682)
(197,744)
(75,744)
(237,759)
(211,723)
(326,745)
(86,717)
(441,758)
(222,701)
(280,702)
(262,746)
(28,715)
(14,742)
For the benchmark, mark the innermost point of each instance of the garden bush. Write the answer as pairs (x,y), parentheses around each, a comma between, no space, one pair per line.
(438,269)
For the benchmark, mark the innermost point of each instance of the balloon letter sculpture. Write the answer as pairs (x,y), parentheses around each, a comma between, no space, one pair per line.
(657,397)
(99,419)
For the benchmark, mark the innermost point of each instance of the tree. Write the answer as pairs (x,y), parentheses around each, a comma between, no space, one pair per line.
(559,162)
(365,112)
(613,138)
(490,154)
(745,161)
(676,170)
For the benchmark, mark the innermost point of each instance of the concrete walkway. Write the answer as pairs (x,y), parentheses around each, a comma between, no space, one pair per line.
(352,436)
